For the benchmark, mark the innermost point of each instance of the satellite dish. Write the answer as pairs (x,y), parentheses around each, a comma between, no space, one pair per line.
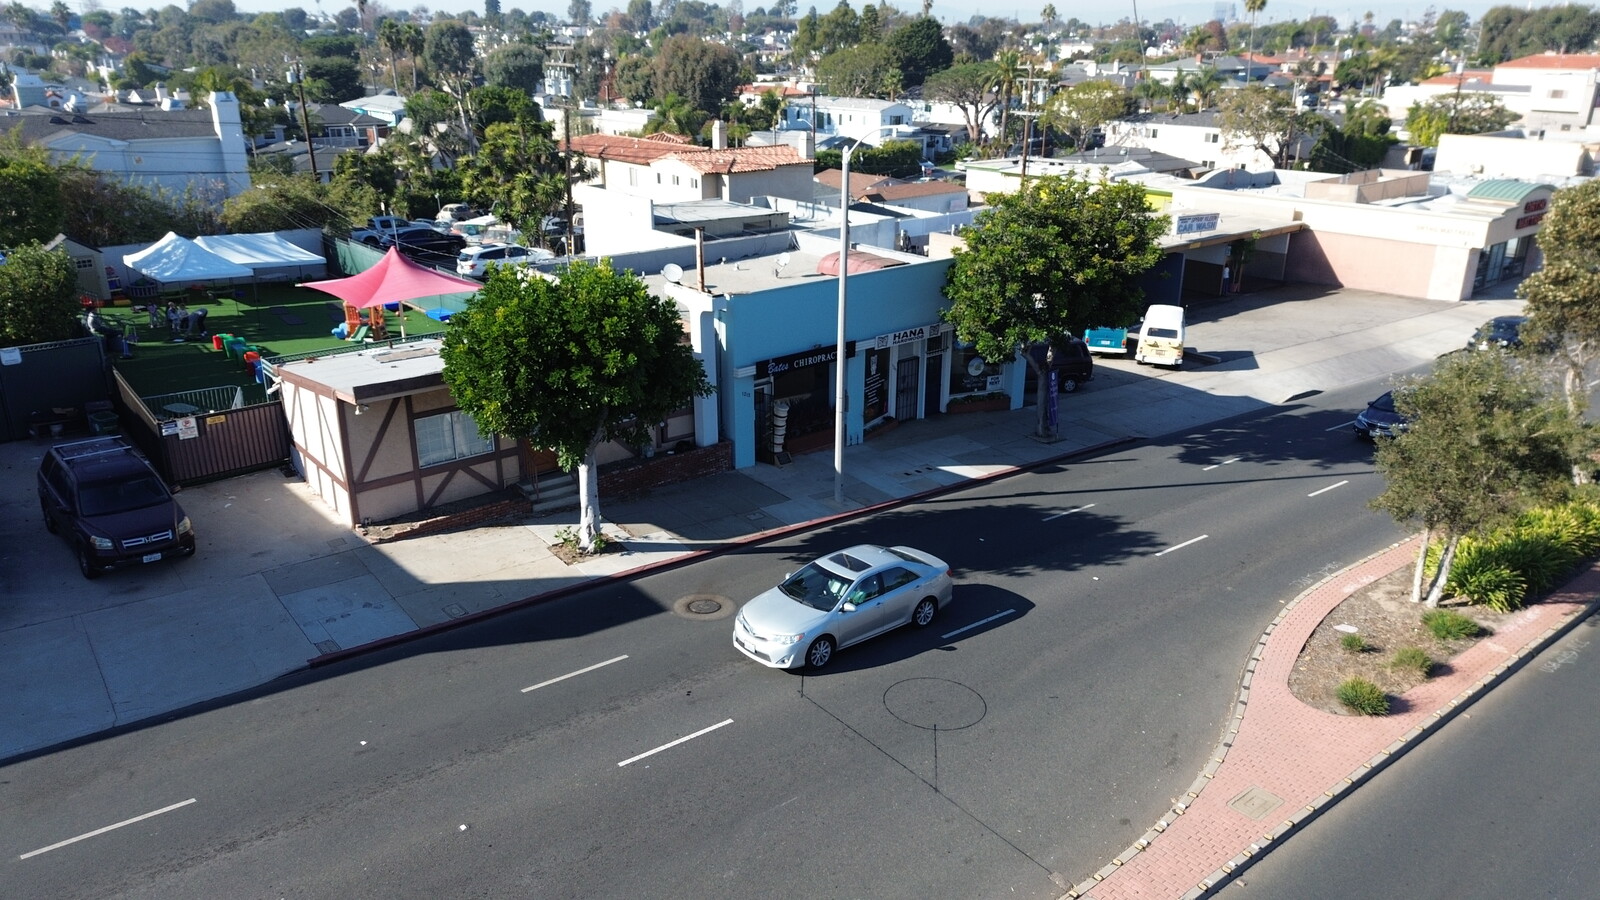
(672,272)
(783,259)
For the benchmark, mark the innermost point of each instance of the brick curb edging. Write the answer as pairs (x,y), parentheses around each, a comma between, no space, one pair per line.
(749,540)
(1236,866)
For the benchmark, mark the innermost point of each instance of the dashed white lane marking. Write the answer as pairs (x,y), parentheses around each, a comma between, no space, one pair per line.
(1225,462)
(998,615)
(1184,544)
(668,746)
(99,831)
(1329,488)
(574,674)
(1068,512)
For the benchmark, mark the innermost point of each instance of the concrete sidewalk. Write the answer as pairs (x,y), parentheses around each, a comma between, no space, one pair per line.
(278,583)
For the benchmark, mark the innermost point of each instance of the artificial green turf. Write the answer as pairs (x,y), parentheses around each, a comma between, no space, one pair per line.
(161,366)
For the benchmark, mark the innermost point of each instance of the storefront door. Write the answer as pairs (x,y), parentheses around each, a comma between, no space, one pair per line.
(905,388)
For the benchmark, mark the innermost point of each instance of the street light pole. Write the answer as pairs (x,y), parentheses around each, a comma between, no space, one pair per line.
(840,394)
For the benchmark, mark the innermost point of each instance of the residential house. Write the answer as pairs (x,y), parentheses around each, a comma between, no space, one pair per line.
(840,121)
(1553,93)
(177,150)
(1197,136)
(386,107)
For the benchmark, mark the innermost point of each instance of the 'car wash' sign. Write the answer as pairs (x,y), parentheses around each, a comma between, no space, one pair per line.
(910,335)
(820,356)
(1196,223)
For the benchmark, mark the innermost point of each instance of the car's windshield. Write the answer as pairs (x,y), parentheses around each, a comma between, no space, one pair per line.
(104,498)
(1384,403)
(815,587)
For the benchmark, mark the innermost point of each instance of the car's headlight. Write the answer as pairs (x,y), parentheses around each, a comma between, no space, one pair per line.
(185,526)
(102,543)
(787,638)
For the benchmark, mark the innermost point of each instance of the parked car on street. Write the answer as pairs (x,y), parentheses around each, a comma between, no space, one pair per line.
(1380,419)
(1072,363)
(841,599)
(473,262)
(1499,333)
(111,506)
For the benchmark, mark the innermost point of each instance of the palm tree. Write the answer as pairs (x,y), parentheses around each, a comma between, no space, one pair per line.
(1008,78)
(1178,89)
(416,39)
(1048,15)
(1203,86)
(1150,90)
(392,37)
(1252,7)
(61,15)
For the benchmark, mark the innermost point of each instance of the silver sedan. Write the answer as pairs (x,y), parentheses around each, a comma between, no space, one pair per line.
(841,599)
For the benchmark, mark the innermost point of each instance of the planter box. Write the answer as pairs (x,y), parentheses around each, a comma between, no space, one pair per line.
(992,404)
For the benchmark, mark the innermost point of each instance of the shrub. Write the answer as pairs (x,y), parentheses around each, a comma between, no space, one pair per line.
(1447,624)
(1495,586)
(1364,698)
(1354,643)
(1412,659)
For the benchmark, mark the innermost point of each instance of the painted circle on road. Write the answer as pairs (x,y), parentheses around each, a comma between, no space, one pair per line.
(935,704)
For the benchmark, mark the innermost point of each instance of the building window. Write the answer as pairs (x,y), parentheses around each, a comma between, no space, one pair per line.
(896,120)
(448,437)
(633,178)
(658,178)
(1152,133)
(83,262)
(674,181)
(694,182)
(1213,138)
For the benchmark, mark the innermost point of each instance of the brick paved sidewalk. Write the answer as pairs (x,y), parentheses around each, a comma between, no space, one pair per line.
(1281,762)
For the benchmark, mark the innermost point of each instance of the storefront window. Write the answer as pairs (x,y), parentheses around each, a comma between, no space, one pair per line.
(969,374)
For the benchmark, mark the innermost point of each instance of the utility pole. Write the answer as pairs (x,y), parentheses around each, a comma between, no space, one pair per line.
(305,118)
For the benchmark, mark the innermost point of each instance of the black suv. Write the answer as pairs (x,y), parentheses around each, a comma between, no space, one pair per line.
(1073,364)
(113,508)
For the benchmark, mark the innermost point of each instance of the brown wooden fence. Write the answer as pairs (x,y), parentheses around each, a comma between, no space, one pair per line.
(222,443)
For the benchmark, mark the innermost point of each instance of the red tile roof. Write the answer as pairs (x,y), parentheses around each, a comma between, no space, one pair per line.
(644,151)
(860,183)
(1556,61)
(1470,75)
(891,192)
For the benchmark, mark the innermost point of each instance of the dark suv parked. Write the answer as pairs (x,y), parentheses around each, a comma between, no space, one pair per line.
(111,506)
(1073,364)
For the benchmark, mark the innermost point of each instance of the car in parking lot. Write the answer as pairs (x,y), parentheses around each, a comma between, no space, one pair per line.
(1500,332)
(474,261)
(1380,418)
(111,506)
(841,599)
(424,244)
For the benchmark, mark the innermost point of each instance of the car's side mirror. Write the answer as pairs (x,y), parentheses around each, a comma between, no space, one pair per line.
(847,607)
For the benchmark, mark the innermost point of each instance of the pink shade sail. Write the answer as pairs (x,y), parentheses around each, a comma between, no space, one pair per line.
(393,280)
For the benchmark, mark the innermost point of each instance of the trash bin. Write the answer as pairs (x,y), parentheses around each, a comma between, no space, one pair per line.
(103,422)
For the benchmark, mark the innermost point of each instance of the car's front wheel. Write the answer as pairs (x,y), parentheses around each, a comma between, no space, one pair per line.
(86,565)
(819,653)
(923,615)
(1067,385)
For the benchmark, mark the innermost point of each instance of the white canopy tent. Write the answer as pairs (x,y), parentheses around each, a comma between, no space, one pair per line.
(266,254)
(175,260)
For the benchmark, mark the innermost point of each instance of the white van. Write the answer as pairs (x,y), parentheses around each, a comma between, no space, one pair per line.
(1161,336)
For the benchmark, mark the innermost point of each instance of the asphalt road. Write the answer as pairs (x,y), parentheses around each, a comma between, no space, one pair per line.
(1502,802)
(604,745)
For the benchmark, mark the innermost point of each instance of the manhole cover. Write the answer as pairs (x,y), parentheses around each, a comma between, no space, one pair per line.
(703,606)
(936,704)
(1256,803)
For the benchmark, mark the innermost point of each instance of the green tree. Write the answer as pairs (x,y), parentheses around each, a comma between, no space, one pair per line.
(921,49)
(897,159)
(1261,117)
(634,78)
(967,87)
(1483,443)
(38,296)
(1253,7)
(1563,296)
(701,72)
(299,201)
(569,364)
(519,66)
(519,172)
(1008,79)
(865,70)
(839,29)
(1359,143)
(1049,260)
(392,38)
(1460,112)
(33,208)
(452,64)
(1079,110)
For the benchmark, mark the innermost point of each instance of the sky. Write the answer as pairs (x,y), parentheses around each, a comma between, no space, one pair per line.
(954,11)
